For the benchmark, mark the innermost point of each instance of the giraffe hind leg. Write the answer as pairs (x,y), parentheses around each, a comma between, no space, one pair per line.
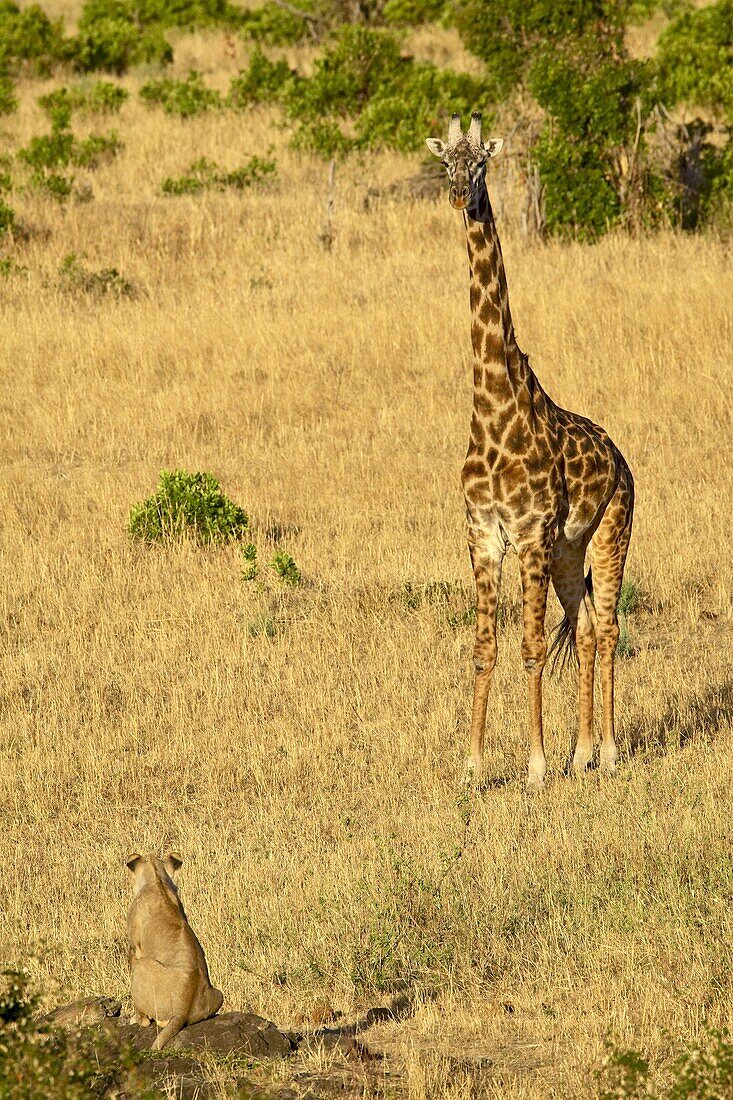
(609,548)
(578,629)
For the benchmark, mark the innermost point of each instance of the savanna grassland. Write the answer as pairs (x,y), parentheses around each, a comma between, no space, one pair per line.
(302,748)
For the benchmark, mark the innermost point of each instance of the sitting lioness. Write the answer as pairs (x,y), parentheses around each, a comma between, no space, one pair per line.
(170,980)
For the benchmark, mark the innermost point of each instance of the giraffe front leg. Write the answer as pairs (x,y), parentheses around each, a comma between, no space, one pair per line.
(535,575)
(487,562)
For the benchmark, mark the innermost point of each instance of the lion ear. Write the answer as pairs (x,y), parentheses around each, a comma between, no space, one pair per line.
(134,861)
(172,862)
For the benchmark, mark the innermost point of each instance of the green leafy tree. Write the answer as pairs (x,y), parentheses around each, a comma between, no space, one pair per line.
(695,59)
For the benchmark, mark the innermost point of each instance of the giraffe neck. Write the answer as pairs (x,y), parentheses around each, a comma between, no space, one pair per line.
(495,347)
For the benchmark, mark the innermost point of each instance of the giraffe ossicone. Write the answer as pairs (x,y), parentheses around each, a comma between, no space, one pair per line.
(547,482)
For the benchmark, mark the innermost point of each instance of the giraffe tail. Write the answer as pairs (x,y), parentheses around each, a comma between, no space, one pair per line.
(562,649)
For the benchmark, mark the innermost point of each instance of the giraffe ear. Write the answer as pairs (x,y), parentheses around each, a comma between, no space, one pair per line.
(436,146)
(493,146)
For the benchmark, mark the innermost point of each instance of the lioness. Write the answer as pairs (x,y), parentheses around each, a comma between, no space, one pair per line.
(170,980)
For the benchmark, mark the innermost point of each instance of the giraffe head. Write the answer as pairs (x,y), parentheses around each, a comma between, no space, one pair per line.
(464,157)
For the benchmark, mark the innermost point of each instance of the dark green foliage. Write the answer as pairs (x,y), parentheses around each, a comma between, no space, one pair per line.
(507,34)
(188,504)
(102,97)
(37,1061)
(96,284)
(414,12)
(7,217)
(8,100)
(60,149)
(702,1071)
(580,199)
(261,82)
(362,83)
(186,13)
(250,566)
(28,35)
(717,199)
(113,37)
(184,98)
(205,175)
(115,34)
(695,59)
(285,568)
(275,26)
(589,90)
(415,108)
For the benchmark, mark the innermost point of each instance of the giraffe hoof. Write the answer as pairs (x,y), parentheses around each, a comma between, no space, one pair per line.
(581,763)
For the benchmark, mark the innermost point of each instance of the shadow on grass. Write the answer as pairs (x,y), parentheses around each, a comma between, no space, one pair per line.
(684,719)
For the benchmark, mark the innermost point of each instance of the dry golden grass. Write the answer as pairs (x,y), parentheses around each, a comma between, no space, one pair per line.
(311,780)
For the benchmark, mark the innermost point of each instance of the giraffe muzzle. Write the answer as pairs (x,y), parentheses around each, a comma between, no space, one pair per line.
(459,196)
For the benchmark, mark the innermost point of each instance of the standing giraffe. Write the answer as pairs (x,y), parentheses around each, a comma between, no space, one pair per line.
(542,480)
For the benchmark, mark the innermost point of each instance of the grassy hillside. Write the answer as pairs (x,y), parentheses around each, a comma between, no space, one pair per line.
(302,748)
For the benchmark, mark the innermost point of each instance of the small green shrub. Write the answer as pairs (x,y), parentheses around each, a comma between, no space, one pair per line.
(275,26)
(102,97)
(98,284)
(8,99)
(7,217)
(184,98)
(281,564)
(260,83)
(60,149)
(285,568)
(250,566)
(264,626)
(205,175)
(702,1071)
(412,13)
(38,1061)
(189,13)
(629,598)
(191,504)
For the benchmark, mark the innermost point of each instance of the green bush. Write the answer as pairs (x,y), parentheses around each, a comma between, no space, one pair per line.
(364,94)
(695,59)
(508,34)
(188,504)
(275,26)
(188,13)
(8,100)
(102,97)
(414,12)
(7,217)
(38,1061)
(261,82)
(96,284)
(113,37)
(205,175)
(401,119)
(28,35)
(60,149)
(184,98)
(702,1071)
(285,568)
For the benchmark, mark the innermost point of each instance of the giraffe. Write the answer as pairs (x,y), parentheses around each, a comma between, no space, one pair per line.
(539,479)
